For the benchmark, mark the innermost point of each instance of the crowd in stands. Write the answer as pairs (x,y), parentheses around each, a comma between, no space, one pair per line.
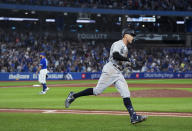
(19,52)
(164,59)
(121,4)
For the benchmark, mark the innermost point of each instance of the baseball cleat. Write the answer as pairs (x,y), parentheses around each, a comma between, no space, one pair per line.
(137,119)
(42,92)
(47,89)
(69,100)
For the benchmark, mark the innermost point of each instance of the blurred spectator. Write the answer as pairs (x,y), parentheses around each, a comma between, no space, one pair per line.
(121,4)
(19,53)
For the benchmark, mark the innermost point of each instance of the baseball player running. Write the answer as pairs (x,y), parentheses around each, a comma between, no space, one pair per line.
(42,70)
(112,74)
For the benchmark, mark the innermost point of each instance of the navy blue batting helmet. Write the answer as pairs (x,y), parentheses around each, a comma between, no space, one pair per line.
(128,31)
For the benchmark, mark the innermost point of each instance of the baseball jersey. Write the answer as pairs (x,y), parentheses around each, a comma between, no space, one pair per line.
(43,63)
(122,49)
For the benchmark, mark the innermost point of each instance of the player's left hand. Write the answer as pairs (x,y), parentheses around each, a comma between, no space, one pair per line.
(128,64)
(133,61)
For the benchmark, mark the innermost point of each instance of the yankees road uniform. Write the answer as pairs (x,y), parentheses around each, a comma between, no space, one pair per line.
(43,73)
(111,74)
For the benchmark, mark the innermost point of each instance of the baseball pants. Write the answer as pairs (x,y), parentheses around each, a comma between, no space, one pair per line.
(111,75)
(42,76)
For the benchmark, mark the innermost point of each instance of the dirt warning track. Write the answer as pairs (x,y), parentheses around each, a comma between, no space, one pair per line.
(94,112)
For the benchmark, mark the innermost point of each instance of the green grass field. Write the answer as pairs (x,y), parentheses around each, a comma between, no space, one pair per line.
(29,98)
(72,122)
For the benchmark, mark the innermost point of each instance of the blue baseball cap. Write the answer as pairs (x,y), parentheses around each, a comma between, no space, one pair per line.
(43,54)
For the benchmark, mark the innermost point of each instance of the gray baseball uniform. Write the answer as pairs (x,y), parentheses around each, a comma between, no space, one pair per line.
(111,73)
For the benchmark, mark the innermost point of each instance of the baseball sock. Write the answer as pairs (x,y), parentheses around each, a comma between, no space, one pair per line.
(86,92)
(128,105)
(44,87)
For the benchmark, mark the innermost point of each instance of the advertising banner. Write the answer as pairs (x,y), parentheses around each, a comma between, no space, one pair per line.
(86,76)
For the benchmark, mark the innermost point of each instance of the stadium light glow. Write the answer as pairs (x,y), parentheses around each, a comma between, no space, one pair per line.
(180,22)
(50,20)
(17,19)
(85,21)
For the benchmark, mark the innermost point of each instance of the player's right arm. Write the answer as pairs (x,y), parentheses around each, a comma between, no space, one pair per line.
(116,49)
(40,66)
(117,56)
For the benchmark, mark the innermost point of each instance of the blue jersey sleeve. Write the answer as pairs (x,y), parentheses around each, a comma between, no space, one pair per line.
(43,63)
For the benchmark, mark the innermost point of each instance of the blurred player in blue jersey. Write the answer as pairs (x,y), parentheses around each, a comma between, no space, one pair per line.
(42,70)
